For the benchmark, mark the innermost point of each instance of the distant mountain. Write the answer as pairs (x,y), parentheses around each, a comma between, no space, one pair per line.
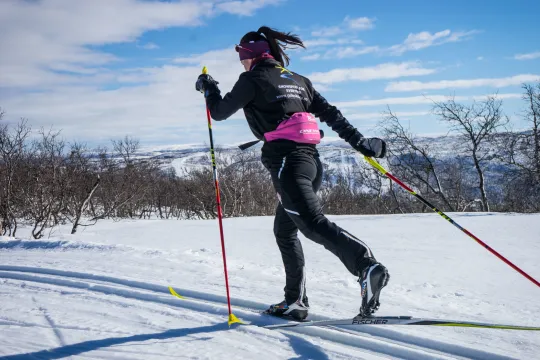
(334,152)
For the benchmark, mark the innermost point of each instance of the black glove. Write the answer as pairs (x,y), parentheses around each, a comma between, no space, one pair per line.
(372,147)
(206,84)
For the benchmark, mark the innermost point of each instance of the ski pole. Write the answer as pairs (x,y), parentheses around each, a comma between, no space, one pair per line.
(232,317)
(385,172)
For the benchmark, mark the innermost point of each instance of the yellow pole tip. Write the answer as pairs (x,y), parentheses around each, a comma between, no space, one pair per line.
(174,293)
(205,70)
(234,320)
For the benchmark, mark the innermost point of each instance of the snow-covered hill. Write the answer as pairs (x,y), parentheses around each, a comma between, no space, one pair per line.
(102,294)
(335,152)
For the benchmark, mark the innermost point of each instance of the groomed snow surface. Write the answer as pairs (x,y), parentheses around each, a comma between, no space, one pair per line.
(102,293)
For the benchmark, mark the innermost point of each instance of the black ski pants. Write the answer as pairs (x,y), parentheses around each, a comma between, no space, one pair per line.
(296,178)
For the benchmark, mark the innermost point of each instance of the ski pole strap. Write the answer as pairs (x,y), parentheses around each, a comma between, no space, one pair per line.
(248,145)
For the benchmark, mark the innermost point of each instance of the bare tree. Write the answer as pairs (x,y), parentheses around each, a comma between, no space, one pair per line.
(532,97)
(13,150)
(415,162)
(126,148)
(520,150)
(125,180)
(476,125)
(80,172)
(43,191)
(523,148)
(41,185)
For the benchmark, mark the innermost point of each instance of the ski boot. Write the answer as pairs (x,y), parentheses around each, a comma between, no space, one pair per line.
(372,280)
(296,311)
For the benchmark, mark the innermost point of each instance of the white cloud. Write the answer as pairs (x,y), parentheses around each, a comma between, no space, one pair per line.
(52,73)
(499,96)
(311,57)
(322,87)
(327,31)
(378,115)
(425,39)
(417,100)
(341,53)
(381,71)
(413,42)
(37,35)
(164,107)
(327,37)
(246,7)
(318,43)
(326,42)
(454,84)
(354,24)
(529,56)
(361,23)
(211,58)
(480,58)
(349,51)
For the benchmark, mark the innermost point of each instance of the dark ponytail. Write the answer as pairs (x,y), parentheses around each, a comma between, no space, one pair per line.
(278,41)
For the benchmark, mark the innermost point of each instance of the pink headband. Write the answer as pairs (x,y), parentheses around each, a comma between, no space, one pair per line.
(252,50)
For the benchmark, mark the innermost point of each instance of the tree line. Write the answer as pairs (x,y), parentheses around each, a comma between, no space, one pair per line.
(46,181)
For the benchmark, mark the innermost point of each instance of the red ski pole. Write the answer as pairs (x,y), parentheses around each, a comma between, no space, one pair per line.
(232,318)
(385,172)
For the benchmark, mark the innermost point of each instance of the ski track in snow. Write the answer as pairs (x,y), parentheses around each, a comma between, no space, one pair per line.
(376,340)
(29,324)
(53,245)
(114,276)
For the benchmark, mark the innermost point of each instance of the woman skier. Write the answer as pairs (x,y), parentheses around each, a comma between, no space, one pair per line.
(278,105)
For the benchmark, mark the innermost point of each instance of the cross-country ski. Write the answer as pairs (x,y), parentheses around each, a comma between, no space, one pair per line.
(401,320)
(379,321)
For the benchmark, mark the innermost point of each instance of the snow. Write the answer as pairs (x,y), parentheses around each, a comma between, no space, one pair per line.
(103,293)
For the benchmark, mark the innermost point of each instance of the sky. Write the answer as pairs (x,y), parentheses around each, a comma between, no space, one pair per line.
(99,70)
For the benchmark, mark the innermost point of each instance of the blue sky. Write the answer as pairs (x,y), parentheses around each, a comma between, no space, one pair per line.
(99,70)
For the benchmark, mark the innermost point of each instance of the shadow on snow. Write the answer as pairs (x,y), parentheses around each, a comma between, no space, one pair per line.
(86,346)
(303,348)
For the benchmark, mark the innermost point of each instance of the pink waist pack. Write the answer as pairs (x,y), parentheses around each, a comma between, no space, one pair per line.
(301,127)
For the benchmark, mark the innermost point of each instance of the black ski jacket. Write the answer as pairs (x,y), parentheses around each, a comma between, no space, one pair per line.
(270,94)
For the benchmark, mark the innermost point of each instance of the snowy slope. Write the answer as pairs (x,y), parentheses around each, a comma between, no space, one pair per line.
(335,152)
(102,294)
